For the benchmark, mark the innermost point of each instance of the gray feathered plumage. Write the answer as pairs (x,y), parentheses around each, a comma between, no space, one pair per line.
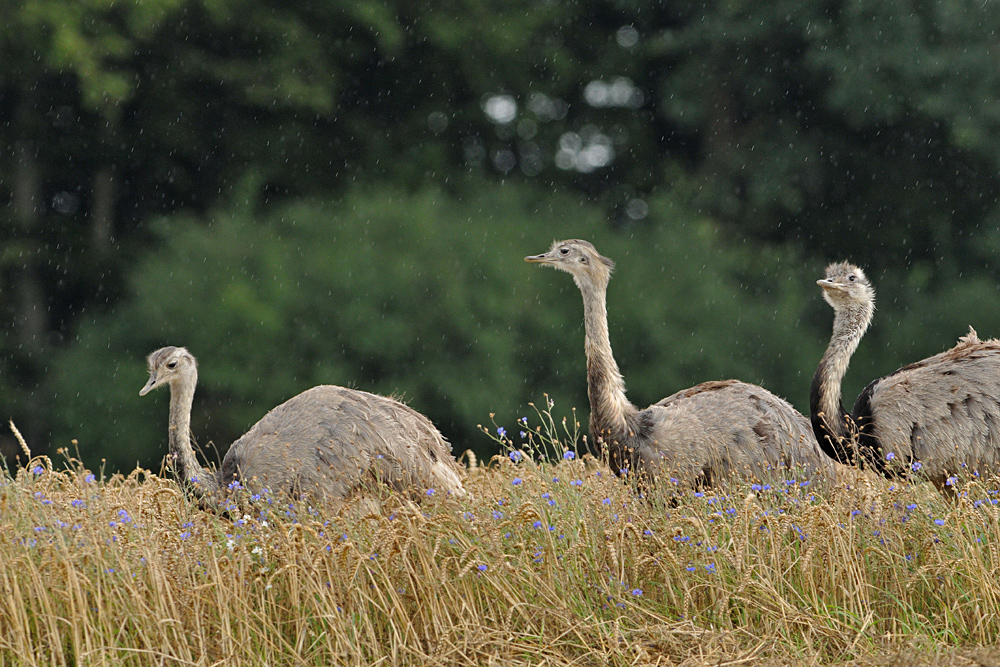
(943,412)
(327,442)
(697,435)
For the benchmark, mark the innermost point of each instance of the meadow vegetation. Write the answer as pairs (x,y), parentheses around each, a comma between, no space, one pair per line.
(552,559)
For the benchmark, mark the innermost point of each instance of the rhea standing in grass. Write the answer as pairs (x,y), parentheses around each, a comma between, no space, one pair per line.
(938,417)
(698,435)
(327,442)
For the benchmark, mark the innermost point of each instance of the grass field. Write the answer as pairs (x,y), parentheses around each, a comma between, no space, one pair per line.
(551,560)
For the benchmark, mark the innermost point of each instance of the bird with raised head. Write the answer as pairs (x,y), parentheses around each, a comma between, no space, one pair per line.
(326,443)
(938,417)
(698,435)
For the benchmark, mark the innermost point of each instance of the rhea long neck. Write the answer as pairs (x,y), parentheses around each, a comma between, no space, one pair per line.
(831,423)
(610,410)
(182,456)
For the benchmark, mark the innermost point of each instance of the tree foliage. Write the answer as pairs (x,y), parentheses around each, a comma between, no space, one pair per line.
(775,132)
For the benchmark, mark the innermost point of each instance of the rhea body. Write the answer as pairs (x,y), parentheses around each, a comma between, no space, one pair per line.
(698,435)
(940,416)
(326,443)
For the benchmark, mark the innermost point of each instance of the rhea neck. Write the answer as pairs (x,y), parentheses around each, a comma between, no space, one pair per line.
(610,411)
(182,457)
(834,428)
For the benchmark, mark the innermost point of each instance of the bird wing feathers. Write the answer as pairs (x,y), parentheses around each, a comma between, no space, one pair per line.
(721,428)
(331,441)
(943,411)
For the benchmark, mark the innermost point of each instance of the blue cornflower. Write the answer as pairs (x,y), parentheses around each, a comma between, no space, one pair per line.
(89,479)
(482,568)
(569,455)
(637,592)
(939,522)
(502,432)
(235,485)
(546,495)
(38,470)
(647,532)
(523,420)
(537,524)
(78,503)
(497,515)
(516,456)
(891,456)
(911,506)
(951,481)
(916,466)
(523,434)
(430,492)
(516,481)
(123,515)
(690,568)
(606,501)
(576,482)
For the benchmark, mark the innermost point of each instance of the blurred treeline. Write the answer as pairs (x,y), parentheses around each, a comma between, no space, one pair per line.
(343,192)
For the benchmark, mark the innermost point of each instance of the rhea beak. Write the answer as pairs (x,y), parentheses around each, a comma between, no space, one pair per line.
(538,259)
(150,386)
(826,283)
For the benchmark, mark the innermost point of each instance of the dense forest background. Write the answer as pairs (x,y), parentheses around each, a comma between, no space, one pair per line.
(343,192)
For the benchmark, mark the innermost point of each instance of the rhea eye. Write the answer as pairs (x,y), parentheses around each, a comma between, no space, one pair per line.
(851,278)
(563,251)
(172,364)
(583,260)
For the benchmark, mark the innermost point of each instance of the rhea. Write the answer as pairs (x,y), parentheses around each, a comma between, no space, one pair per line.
(939,416)
(699,435)
(326,443)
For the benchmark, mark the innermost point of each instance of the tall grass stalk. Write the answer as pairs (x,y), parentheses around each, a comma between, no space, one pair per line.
(551,560)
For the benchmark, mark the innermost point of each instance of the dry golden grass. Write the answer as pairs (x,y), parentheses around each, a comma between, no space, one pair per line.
(545,564)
